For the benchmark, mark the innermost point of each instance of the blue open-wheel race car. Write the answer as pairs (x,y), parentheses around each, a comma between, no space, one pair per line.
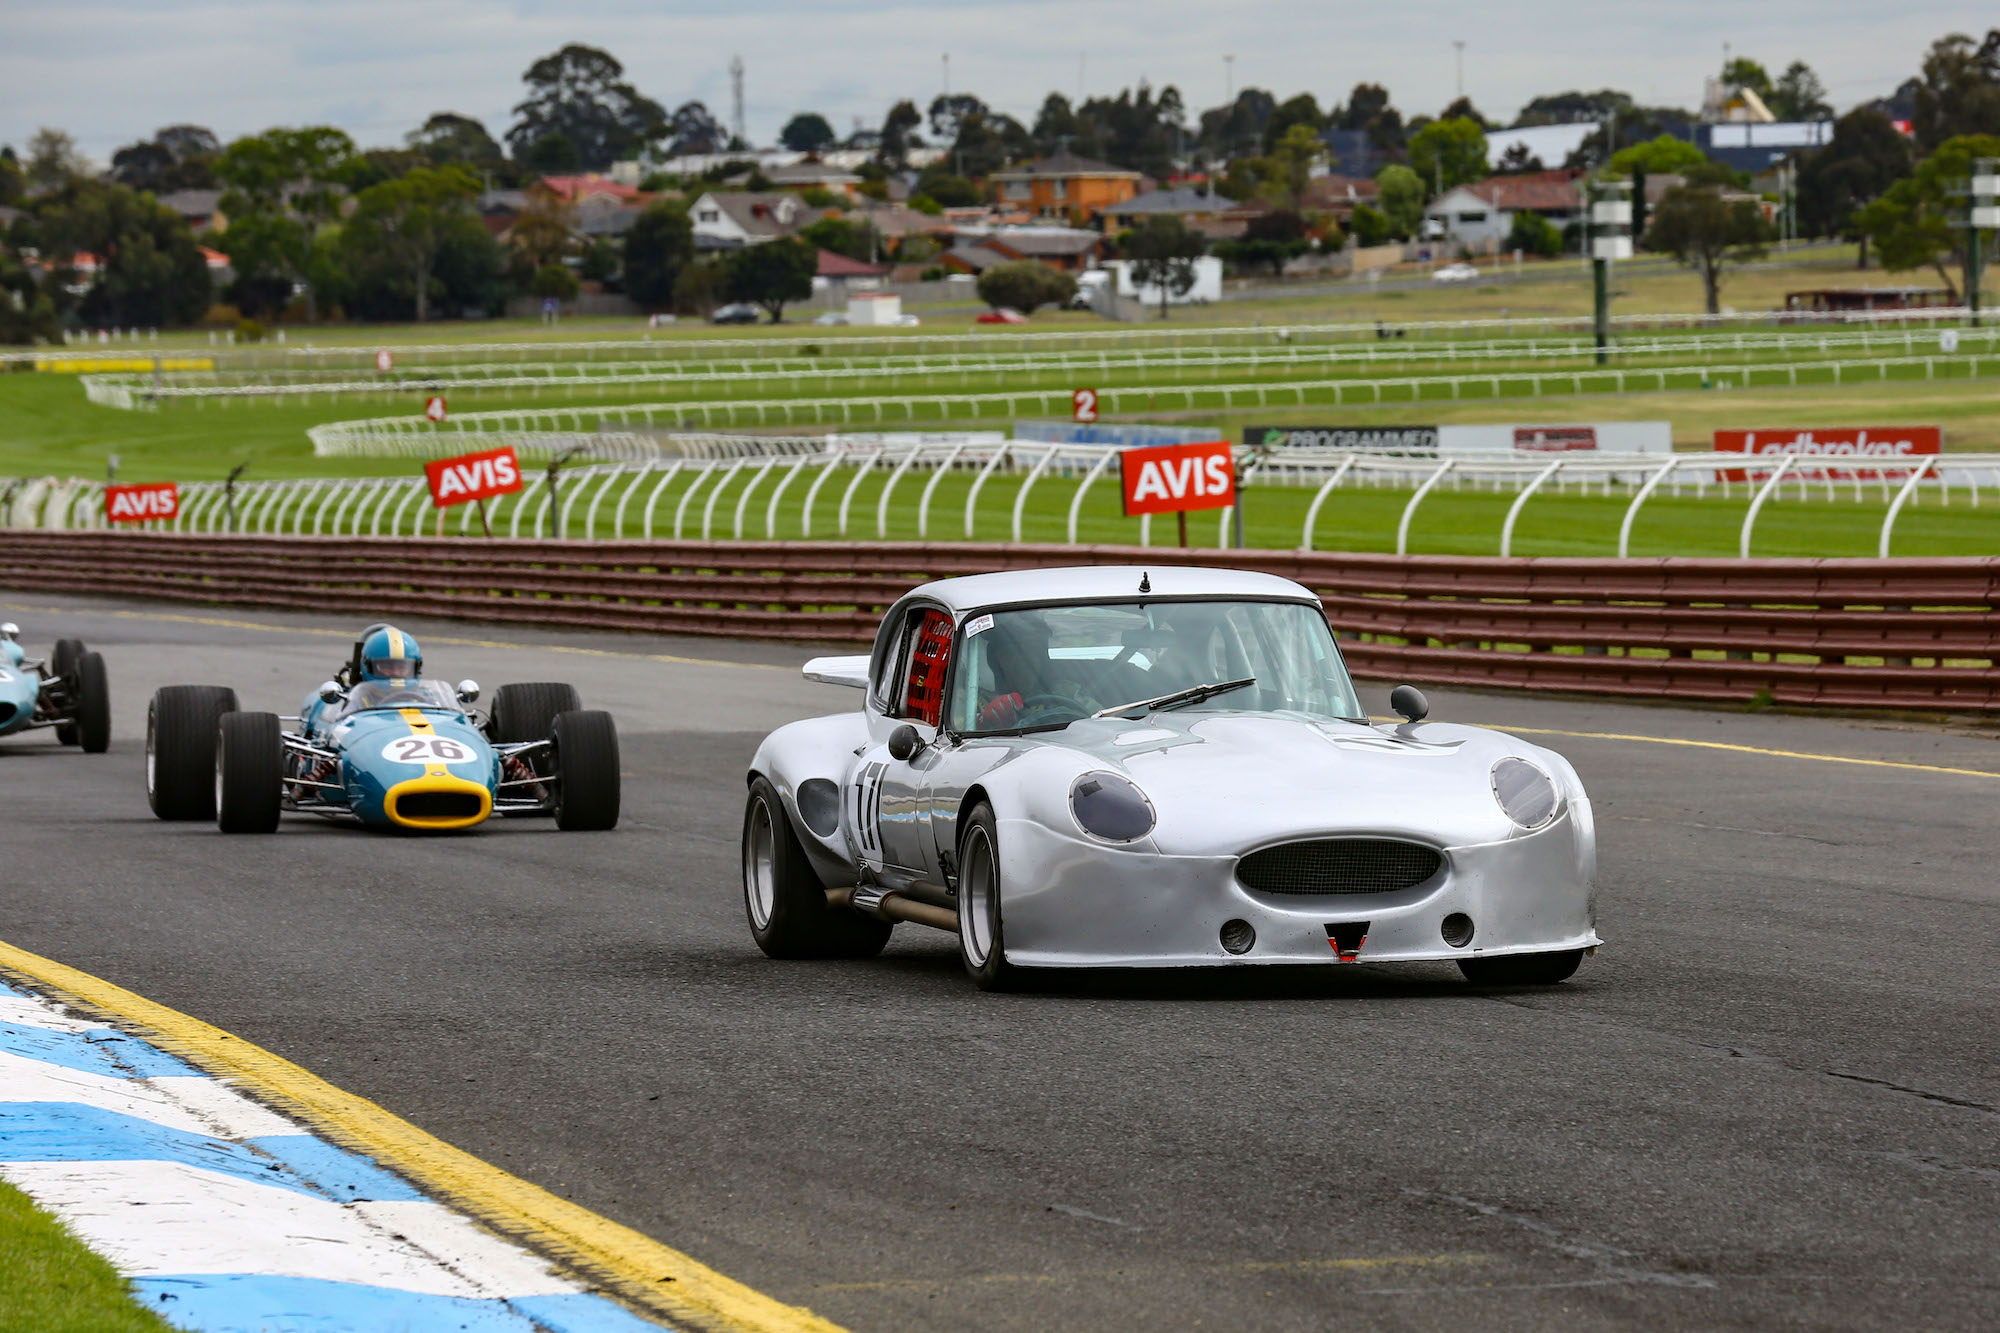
(67,692)
(380,745)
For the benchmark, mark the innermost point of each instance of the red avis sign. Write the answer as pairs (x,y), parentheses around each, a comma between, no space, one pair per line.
(142,503)
(455,481)
(1168,478)
(1845,442)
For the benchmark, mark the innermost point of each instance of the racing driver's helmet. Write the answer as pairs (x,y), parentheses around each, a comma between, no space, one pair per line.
(390,654)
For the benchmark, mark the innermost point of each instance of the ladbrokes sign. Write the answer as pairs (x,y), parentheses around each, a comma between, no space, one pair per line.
(1848,443)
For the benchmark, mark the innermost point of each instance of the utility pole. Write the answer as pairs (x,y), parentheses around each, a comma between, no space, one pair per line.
(946,90)
(736,91)
(1610,225)
(1461,67)
(1229,80)
(1983,196)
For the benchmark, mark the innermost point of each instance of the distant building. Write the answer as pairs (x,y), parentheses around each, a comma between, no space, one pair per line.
(976,249)
(1350,153)
(814,175)
(1756,147)
(1480,216)
(731,219)
(1067,186)
(1189,203)
(1339,196)
(575,189)
(202,209)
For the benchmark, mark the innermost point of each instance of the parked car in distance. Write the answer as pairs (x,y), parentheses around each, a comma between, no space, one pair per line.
(830,318)
(736,314)
(1455,273)
(1001,315)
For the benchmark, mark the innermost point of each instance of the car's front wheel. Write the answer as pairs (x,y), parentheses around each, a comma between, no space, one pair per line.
(62,663)
(585,747)
(784,898)
(92,697)
(982,935)
(180,749)
(1522,969)
(249,772)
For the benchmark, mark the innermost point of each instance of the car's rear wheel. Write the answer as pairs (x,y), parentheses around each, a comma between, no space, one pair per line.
(91,690)
(1522,969)
(62,664)
(982,934)
(585,747)
(249,772)
(180,749)
(785,899)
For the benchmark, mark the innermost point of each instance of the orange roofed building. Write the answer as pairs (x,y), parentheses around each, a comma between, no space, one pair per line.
(1067,186)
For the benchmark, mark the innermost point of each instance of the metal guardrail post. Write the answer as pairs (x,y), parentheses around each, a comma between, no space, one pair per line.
(1410,509)
(1757,502)
(1903,495)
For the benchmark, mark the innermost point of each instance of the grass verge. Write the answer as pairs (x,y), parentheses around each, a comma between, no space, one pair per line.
(50,1283)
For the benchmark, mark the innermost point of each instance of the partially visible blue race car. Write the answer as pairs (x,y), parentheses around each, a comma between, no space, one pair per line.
(68,692)
(381,746)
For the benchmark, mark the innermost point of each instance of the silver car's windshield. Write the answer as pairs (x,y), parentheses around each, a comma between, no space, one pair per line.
(1049,666)
(399,694)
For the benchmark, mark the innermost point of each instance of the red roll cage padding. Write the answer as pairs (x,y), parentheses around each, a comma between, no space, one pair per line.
(923,695)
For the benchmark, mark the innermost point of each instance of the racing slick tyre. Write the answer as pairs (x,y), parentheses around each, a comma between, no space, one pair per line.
(62,664)
(584,746)
(783,896)
(1522,969)
(526,712)
(249,772)
(91,692)
(180,749)
(982,939)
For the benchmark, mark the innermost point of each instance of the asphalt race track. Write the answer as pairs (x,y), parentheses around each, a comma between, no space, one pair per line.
(1771,1101)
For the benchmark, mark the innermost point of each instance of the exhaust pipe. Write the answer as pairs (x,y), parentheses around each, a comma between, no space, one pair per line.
(894,907)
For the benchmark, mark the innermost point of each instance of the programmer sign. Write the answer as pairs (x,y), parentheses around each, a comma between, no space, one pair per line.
(1172,478)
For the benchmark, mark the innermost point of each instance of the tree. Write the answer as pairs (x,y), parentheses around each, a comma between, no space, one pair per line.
(580,91)
(1799,95)
(1866,156)
(772,274)
(1960,90)
(844,236)
(1664,156)
(1135,129)
(13,184)
(554,154)
(554,281)
(178,157)
(543,230)
(1535,235)
(1368,110)
(151,272)
(282,190)
(1370,225)
(1025,286)
(1916,223)
(1292,161)
(1449,153)
(987,141)
(949,190)
(1226,130)
(1518,160)
(658,245)
(1706,231)
(1301,110)
(53,160)
(1270,240)
(694,129)
(897,139)
(1575,108)
(698,289)
(807,132)
(948,110)
(1163,254)
(1057,127)
(398,226)
(448,138)
(1400,196)
(1462,109)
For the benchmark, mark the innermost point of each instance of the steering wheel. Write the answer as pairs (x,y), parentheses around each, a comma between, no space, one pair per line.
(1045,703)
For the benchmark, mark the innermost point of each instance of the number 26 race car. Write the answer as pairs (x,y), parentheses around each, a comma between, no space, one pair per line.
(1113,768)
(68,692)
(381,746)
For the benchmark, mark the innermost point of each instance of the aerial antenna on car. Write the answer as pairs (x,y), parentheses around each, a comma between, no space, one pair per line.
(1145,582)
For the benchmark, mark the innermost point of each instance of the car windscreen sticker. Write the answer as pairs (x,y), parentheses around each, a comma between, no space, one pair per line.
(428,750)
(978,625)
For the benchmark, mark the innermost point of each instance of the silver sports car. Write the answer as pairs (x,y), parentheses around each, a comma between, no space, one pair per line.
(1123,767)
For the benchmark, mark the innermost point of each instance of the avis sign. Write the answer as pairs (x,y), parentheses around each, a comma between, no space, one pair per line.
(454,481)
(142,503)
(1173,478)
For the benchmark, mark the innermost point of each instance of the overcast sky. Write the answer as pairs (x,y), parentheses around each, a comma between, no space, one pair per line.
(111,71)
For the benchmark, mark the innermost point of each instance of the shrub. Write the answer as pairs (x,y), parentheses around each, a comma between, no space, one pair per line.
(1025,285)
(1535,235)
(249,331)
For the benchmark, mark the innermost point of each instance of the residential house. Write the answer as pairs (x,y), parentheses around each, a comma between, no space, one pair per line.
(1480,216)
(840,272)
(810,175)
(1067,186)
(731,219)
(976,249)
(1201,209)
(499,208)
(575,189)
(200,208)
(1338,196)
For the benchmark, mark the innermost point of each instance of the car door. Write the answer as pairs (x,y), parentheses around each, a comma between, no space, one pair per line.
(896,791)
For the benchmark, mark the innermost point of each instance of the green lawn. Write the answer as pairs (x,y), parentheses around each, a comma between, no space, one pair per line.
(49,1283)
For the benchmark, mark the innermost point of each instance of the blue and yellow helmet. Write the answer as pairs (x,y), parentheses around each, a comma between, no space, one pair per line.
(389,654)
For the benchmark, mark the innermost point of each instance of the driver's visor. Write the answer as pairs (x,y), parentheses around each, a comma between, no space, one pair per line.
(390,668)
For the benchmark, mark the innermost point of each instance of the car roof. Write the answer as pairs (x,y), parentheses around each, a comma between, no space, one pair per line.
(1107,583)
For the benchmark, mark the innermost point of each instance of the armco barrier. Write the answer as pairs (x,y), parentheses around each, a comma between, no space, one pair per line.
(1849,633)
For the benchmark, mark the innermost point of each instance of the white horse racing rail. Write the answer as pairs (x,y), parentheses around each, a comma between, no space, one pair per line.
(722,495)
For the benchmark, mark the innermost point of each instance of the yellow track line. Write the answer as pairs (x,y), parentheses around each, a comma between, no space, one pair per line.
(1754,749)
(654,1277)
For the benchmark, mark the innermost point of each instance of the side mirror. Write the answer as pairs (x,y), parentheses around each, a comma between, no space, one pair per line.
(331,693)
(905,741)
(468,691)
(10,631)
(1409,701)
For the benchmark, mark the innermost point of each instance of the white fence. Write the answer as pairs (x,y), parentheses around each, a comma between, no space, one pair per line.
(744,495)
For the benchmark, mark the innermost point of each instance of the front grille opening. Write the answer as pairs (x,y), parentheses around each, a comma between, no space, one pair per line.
(7,712)
(438,805)
(1339,865)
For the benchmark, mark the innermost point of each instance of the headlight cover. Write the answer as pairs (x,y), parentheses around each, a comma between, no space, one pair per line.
(1110,807)
(1525,792)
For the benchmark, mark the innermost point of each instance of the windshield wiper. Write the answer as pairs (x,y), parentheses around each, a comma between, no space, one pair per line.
(1192,694)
